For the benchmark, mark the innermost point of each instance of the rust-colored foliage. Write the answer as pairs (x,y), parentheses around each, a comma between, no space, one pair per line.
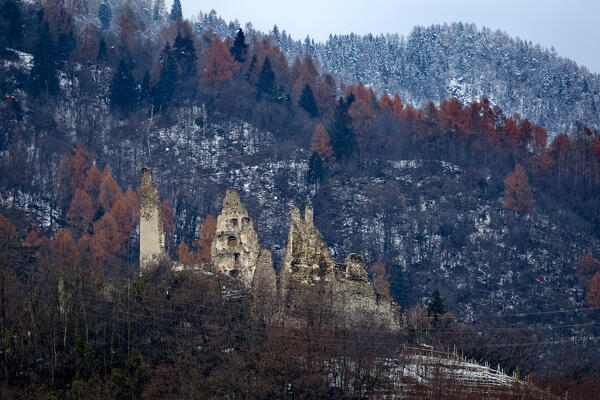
(81,211)
(320,144)
(64,251)
(41,242)
(110,191)
(93,181)
(168,220)
(592,298)
(517,193)
(453,117)
(185,255)
(205,238)
(220,66)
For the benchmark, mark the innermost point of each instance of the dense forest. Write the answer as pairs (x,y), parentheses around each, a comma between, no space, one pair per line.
(92,91)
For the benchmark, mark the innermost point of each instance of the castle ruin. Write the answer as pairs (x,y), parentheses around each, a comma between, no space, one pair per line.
(309,277)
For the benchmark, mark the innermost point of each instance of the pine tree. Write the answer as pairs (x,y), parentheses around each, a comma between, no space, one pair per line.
(159,11)
(12,24)
(307,101)
(240,47)
(43,77)
(123,89)
(105,15)
(315,172)
(343,138)
(102,51)
(266,81)
(435,306)
(165,88)
(184,54)
(146,90)
(176,12)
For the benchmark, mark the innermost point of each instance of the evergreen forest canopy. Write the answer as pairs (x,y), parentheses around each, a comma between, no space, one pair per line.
(99,71)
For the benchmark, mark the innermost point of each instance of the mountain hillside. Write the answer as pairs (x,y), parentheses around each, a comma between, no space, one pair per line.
(458,60)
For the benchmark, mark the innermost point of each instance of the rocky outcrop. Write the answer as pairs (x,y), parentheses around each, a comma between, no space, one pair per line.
(152,239)
(235,249)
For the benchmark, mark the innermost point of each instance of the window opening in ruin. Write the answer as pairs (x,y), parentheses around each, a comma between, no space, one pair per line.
(234,273)
(237,257)
(234,222)
(245,221)
(231,241)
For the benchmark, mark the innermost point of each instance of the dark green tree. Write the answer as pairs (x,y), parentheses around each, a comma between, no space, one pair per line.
(266,81)
(240,47)
(176,12)
(102,51)
(435,306)
(146,90)
(105,15)
(316,172)
(251,68)
(307,101)
(123,89)
(343,138)
(11,24)
(184,55)
(164,90)
(43,77)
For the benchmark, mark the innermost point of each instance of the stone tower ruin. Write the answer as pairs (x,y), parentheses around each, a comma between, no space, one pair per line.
(235,249)
(152,238)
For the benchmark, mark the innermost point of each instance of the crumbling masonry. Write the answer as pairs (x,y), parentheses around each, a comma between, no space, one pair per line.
(308,273)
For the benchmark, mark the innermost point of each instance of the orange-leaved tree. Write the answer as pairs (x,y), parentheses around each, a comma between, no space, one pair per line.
(320,143)
(517,192)
(220,66)
(592,298)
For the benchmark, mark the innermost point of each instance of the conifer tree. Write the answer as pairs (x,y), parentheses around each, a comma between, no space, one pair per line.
(435,306)
(176,12)
(316,171)
(159,11)
(105,15)
(240,47)
(146,90)
(343,138)
(184,54)
(123,89)
(43,77)
(307,101)
(102,51)
(165,88)
(266,81)
(12,22)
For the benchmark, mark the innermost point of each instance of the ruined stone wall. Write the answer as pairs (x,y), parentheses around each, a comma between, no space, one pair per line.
(307,258)
(356,300)
(152,240)
(309,272)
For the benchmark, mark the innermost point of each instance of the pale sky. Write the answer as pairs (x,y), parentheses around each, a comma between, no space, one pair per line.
(571,26)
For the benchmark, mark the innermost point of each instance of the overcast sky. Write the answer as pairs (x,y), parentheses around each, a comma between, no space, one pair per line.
(571,26)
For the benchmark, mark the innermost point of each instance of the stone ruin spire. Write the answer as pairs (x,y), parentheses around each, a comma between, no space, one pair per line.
(152,237)
(235,249)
